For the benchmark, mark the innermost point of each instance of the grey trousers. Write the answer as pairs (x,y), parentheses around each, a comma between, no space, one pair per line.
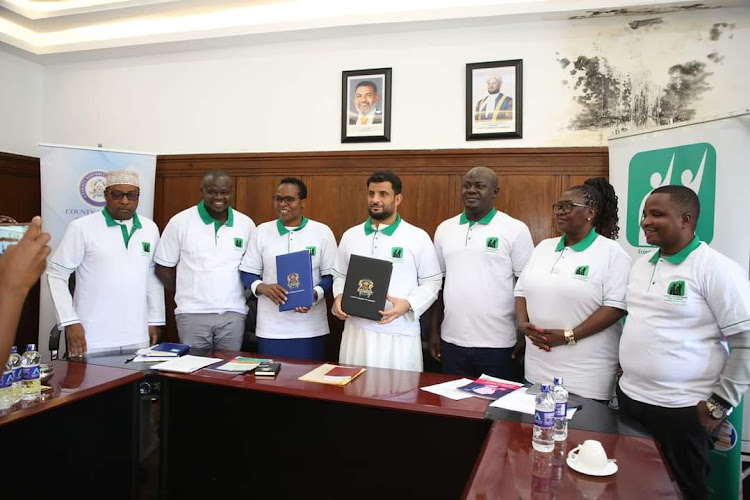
(206,332)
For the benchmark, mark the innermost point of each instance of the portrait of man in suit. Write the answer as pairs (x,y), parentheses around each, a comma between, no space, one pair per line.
(495,105)
(366,105)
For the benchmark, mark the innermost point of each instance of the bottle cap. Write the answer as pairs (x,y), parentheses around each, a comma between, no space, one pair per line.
(558,381)
(14,349)
(31,347)
(545,388)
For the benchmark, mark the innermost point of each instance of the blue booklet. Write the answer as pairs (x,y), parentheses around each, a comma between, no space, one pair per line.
(294,272)
(166,349)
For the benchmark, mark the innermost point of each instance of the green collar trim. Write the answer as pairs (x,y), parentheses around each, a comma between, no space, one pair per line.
(680,256)
(111,222)
(387,231)
(581,245)
(484,220)
(207,219)
(283,230)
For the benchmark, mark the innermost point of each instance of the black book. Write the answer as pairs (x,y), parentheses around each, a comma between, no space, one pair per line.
(269,369)
(366,286)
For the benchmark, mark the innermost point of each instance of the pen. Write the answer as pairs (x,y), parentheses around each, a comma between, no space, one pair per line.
(130,359)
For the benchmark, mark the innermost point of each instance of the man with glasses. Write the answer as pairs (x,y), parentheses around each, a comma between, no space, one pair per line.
(482,252)
(118,303)
(300,333)
(198,259)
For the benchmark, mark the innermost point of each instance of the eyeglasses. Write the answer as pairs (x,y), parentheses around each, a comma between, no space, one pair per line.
(118,195)
(565,207)
(287,199)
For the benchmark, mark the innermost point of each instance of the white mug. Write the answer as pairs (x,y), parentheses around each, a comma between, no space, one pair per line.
(589,456)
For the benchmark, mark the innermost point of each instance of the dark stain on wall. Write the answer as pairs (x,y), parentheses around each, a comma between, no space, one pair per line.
(564,62)
(715,57)
(639,12)
(718,29)
(614,101)
(642,23)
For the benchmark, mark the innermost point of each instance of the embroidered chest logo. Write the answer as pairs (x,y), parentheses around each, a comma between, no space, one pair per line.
(238,243)
(292,281)
(581,273)
(365,288)
(146,246)
(676,291)
(491,244)
(312,250)
(397,254)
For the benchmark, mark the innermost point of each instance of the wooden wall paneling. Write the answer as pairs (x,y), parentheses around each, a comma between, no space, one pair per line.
(179,194)
(339,201)
(21,198)
(258,191)
(530,198)
(426,200)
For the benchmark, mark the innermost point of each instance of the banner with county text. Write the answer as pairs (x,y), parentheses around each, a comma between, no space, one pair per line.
(710,158)
(72,181)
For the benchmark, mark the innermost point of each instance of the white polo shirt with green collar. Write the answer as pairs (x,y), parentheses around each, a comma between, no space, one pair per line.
(681,308)
(416,274)
(481,261)
(271,239)
(117,295)
(207,254)
(563,286)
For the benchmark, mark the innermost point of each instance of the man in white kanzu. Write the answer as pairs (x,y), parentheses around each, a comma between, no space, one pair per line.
(299,333)
(199,258)
(686,304)
(482,252)
(394,341)
(109,250)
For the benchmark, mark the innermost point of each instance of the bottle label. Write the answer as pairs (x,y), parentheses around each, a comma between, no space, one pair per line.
(6,380)
(544,419)
(17,374)
(561,410)
(30,372)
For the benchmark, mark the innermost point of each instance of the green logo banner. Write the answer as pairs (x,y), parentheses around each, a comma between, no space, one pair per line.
(690,165)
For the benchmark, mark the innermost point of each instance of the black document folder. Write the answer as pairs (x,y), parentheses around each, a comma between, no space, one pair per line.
(366,286)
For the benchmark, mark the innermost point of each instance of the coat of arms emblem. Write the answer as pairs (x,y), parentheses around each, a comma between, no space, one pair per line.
(364,288)
(292,281)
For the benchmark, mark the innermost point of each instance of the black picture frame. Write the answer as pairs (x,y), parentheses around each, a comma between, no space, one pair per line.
(502,119)
(375,124)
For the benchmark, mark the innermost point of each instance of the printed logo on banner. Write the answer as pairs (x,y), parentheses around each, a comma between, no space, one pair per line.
(690,165)
(91,188)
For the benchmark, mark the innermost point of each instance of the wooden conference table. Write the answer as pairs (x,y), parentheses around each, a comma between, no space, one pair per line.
(80,438)
(380,436)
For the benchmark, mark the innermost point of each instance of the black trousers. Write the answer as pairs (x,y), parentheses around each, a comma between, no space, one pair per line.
(471,362)
(682,439)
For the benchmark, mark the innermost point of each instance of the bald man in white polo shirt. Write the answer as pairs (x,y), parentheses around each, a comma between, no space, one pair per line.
(198,258)
(118,303)
(482,252)
(686,303)
(394,341)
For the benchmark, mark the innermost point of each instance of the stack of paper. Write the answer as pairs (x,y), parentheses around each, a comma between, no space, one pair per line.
(522,402)
(449,389)
(490,387)
(186,364)
(240,364)
(333,374)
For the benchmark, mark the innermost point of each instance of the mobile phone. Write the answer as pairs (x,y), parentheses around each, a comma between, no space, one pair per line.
(10,234)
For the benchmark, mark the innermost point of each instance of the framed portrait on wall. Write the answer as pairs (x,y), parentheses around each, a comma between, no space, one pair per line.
(366,105)
(494,100)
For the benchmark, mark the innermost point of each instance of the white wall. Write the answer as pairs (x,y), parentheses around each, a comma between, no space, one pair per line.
(285,96)
(20,105)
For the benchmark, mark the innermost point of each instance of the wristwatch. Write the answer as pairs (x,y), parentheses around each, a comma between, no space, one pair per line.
(570,337)
(718,410)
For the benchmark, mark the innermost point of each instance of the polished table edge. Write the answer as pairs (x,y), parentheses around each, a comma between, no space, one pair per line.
(128,376)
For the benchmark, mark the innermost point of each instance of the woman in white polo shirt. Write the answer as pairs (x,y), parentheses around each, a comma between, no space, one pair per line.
(571,295)
(300,333)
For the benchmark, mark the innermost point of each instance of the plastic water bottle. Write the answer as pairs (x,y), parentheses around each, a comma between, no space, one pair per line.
(31,387)
(544,421)
(15,363)
(560,394)
(6,388)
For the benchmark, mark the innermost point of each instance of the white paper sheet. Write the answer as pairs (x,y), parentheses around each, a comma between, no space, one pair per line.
(186,364)
(522,402)
(147,359)
(450,389)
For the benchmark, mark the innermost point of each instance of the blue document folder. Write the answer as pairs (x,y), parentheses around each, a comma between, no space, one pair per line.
(294,272)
